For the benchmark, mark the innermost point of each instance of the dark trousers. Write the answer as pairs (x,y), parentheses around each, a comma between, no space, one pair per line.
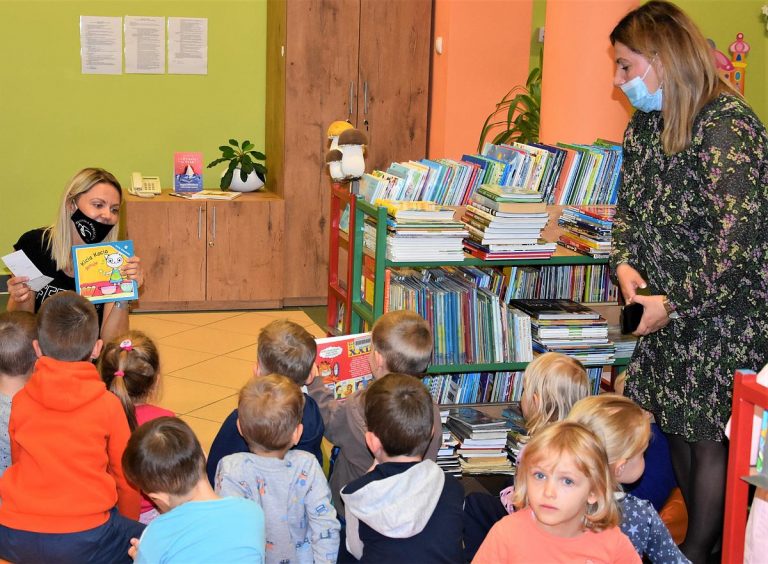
(107,544)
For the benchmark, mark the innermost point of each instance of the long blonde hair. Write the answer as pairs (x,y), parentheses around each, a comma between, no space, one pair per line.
(558,381)
(59,235)
(665,35)
(569,438)
(620,423)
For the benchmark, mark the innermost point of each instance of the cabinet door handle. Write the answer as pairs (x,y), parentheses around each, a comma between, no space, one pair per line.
(213,227)
(351,99)
(199,222)
(365,98)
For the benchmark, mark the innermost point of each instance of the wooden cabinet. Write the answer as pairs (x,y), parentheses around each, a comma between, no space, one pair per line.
(208,254)
(327,60)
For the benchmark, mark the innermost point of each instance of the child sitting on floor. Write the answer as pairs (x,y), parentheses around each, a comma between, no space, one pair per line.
(285,348)
(130,367)
(401,342)
(17,359)
(289,485)
(406,509)
(566,510)
(165,460)
(625,429)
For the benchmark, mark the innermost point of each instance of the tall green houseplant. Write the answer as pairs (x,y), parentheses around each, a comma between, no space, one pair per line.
(517,115)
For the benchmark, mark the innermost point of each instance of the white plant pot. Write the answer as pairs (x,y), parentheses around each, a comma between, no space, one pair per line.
(251,184)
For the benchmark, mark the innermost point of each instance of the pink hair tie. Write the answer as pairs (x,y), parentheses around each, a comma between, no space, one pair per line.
(126,345)
(119,373)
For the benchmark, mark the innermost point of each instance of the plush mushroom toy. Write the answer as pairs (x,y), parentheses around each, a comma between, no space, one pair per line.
(336,129)
(333,160)
(351,143)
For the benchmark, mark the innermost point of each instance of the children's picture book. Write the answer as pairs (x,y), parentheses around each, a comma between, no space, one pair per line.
(97,272)
(343,363)
(187,172)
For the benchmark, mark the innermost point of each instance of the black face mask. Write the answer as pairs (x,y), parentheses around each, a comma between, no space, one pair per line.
(90,231)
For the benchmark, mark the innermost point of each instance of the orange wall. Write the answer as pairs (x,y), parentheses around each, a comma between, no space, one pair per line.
(486,46)
(579,102)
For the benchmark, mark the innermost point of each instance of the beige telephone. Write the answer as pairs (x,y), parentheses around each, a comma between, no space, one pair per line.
(144,186)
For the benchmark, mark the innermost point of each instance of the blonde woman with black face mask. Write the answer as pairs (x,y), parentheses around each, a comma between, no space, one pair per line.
(89,213)
(689,231)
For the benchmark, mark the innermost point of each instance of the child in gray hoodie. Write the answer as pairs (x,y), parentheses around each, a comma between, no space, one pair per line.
(405,509)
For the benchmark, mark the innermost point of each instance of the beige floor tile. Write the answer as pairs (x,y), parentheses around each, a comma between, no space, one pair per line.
(204,430)
(158,328)
(246,353)
(192,317)
(248,323)
(316,331)
(174,358)
(217,411)
(219,371)
(209,340)
(294,315)
(182,396)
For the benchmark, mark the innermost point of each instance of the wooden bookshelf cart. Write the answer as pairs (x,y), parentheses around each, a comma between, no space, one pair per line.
(747,394)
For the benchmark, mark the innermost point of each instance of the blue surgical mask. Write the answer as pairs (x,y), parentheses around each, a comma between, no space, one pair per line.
(638,95)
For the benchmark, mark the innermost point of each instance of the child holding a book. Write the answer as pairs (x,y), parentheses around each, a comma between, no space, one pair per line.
(165,460)
(130,367)
(288,349)
(552,384)
(62,494)
(289,485)
(405,509)
(566,510)
(17,359)
(401,342)
(625,429)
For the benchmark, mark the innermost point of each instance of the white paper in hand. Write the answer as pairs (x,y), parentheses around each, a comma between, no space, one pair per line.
(20,265)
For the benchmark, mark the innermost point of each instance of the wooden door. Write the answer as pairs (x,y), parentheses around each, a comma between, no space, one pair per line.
(169,236)
(245,251)
(320,64)
(395,47)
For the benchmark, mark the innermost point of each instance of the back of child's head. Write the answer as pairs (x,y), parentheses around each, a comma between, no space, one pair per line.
(620,423)
(164,456)
(130,366)
(404,340)
(552,383)
(398,410)
(67,327)
(17,331)
(269,409)
(563,439)
(286,348)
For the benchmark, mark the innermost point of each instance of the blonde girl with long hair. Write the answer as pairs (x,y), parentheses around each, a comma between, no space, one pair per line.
(624,428)
(89,212)
(566,510)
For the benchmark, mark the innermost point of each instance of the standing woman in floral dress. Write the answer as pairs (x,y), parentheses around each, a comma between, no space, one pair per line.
(690,231)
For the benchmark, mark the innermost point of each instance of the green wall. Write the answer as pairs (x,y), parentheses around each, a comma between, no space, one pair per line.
(721,21)
(55,120)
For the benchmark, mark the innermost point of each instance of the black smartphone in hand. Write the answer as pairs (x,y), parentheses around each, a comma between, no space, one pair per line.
(630,318)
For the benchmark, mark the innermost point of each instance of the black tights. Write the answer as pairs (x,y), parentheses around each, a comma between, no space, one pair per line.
(700,468)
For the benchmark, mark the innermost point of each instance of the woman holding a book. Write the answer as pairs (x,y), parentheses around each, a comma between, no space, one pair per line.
(688,246)
(88,214)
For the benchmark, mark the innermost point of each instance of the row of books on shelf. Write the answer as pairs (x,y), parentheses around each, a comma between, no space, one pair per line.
(563,173)
(588,283)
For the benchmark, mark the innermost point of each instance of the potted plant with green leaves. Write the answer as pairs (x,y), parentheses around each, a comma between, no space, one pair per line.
(244,173)
(517,115)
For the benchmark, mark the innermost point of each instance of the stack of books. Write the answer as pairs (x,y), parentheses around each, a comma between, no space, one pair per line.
(420,231)
(506,223)
(447,459)
(587,229)
(570,328)
(482,441)
(517,435)
(625,344)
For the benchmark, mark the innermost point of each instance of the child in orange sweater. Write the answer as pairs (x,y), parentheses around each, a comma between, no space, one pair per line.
(67,435)
(566,508)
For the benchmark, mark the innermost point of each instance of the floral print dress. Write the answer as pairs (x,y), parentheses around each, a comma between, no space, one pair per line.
(694,225)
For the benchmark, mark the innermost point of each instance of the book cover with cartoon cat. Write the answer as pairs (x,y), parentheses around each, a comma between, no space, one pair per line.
(98,272)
